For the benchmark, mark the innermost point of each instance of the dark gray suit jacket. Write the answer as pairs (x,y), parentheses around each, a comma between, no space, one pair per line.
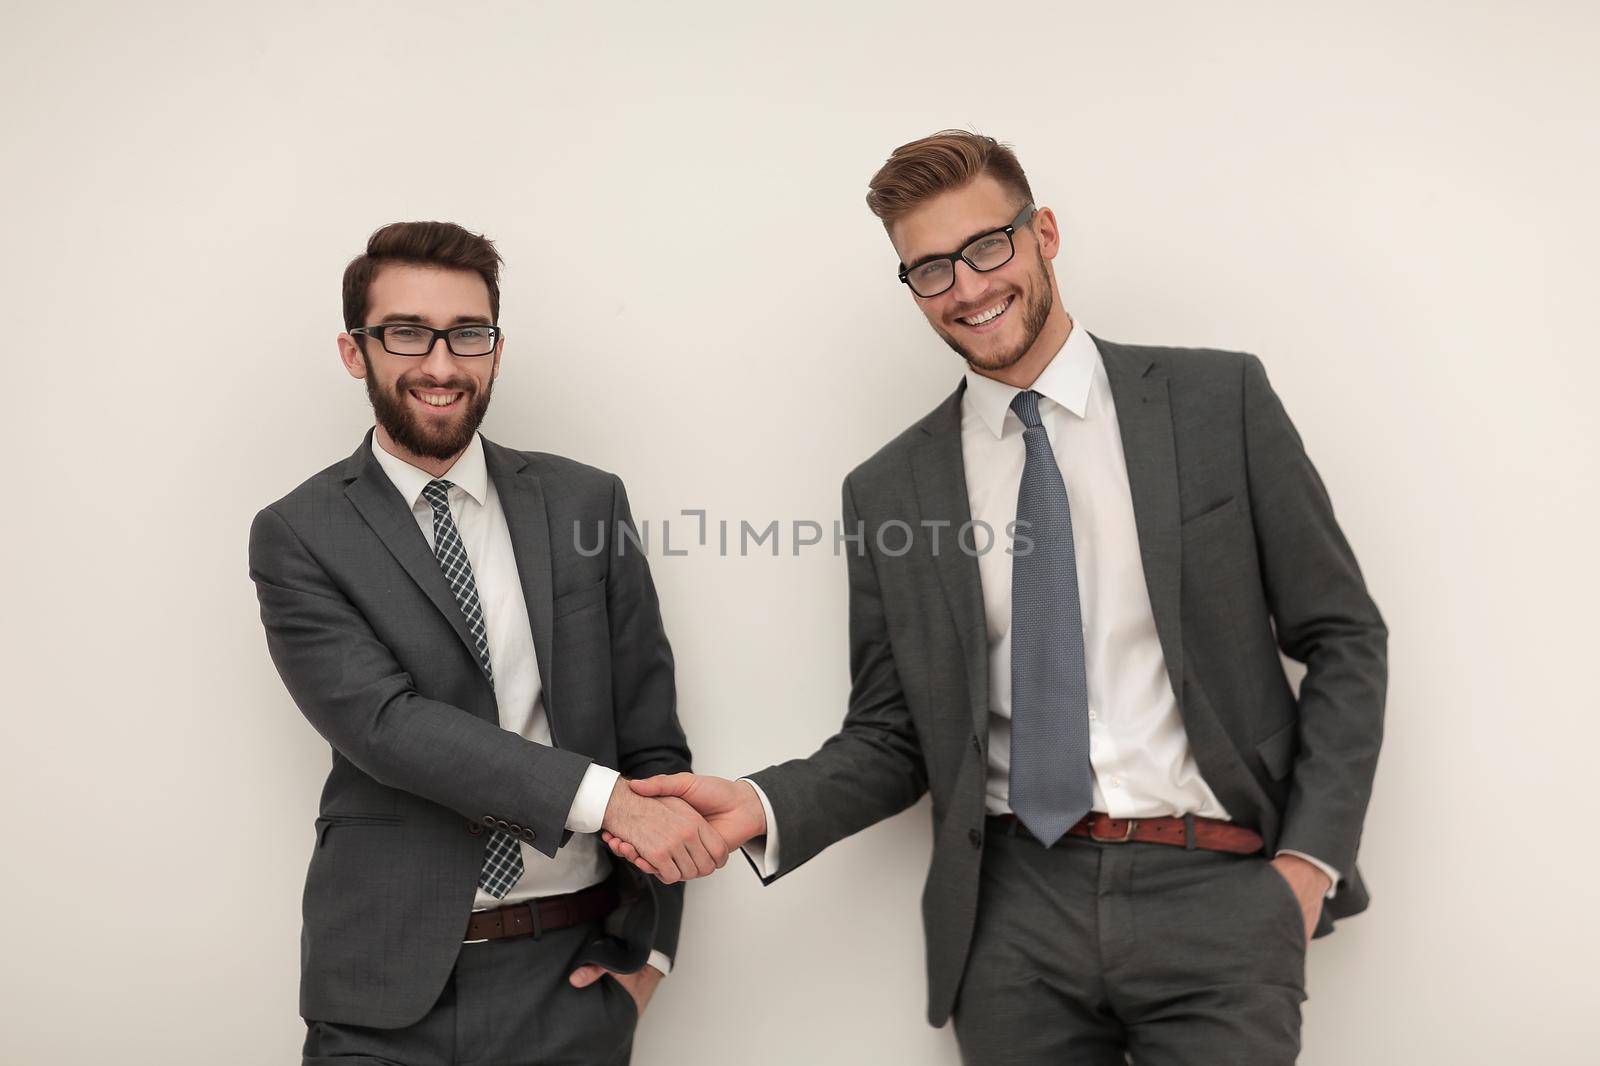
(1242,557)
(372,646)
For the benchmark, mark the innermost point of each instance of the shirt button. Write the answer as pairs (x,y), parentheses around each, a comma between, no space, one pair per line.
(1116,782)
(975,837)
(1094,716)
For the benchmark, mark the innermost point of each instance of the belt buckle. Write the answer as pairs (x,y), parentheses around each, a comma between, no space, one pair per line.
(1127,834)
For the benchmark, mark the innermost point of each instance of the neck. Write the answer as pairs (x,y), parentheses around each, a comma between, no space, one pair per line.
(436,467)
(1025,371)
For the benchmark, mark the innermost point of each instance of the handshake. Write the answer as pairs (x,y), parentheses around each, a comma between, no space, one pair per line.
(681,826)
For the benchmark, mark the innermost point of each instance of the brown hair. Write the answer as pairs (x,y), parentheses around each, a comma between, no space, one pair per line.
(938,163)
(441,244)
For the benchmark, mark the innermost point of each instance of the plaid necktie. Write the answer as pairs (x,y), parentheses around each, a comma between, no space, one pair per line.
(1052,784)
(502,859)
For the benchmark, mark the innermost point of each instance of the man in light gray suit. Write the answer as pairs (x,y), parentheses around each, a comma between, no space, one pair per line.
(1073,581)
(478,673)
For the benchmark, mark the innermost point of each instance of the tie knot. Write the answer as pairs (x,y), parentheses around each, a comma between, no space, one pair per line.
(1026,405)
(437,493)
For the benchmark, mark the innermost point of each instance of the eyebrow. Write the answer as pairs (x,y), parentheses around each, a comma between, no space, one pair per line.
(459,320)
(966,241)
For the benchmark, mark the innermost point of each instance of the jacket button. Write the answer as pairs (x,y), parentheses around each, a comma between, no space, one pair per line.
(976,838)
(501,824)
(475,829)
(529,835)
(488,820)
(514,829)
(977,745)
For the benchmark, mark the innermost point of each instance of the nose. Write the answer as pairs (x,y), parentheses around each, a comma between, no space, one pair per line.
(439,364)
(969,284)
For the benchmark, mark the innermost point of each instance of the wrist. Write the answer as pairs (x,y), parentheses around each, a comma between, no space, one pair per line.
(754,811)
(621,797)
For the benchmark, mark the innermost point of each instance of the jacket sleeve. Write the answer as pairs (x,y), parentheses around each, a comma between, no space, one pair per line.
(1326,620)
(650,739)
(873,767)
(349,686)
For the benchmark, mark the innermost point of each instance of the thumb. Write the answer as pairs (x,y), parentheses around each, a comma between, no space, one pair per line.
(664,785)
(584,976)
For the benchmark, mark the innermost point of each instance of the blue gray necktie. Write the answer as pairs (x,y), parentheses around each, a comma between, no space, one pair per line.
(1052,785)
(502,859)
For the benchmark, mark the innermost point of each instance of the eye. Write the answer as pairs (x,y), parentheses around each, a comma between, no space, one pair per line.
(471,333)
(404,333)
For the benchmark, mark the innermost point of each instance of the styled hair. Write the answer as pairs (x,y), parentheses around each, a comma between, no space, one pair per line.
(946,160)
(440,244)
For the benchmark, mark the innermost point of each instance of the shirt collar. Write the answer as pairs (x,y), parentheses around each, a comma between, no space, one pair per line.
(469,473)
(1065,379)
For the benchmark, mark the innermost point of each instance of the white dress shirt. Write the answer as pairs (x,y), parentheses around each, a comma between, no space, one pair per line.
(481,523)
(1138,748)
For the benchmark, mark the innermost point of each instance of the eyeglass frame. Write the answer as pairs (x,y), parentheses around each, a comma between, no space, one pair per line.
(1023,218)
(496,334)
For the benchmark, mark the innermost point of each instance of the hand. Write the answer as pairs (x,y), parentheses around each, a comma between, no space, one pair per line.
(731,808)
(1310,887)
(669,835)
(641,986)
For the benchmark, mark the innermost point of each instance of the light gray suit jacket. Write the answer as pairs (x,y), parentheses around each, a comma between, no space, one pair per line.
(1242,558)
(371,644)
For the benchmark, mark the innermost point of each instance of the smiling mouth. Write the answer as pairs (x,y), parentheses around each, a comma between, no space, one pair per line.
(989,316)
(438,399)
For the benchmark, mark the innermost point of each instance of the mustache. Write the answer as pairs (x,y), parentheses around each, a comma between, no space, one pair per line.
(981,305)
(466,385)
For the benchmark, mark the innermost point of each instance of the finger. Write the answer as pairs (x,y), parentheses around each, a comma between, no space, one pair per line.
(700,864)
(715,845)
(647,868)
(667,869)
(663,785)
(586,975)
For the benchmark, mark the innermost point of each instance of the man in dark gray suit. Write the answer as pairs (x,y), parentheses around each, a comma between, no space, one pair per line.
(1071,586)
(478,668)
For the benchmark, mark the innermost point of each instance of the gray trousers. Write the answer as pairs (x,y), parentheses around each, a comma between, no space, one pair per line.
(1096,954)
(508,1003)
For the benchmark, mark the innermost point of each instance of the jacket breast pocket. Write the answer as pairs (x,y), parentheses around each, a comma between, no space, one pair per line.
(1212,517)
(579,599)
(1277,751)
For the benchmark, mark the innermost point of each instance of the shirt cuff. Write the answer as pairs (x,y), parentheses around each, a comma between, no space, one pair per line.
(1333,875)
(660,962)
(594,794)
(763,850)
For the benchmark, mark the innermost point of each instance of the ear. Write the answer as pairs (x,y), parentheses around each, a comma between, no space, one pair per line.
(499,350)
(1048,230)
(350,356)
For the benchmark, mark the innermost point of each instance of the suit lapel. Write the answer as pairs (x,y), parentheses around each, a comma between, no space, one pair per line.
(522,501)
(940,479)
(1144,413)
(382,507)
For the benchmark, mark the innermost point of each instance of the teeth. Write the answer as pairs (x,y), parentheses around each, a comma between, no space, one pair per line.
(438,401)
(986,316)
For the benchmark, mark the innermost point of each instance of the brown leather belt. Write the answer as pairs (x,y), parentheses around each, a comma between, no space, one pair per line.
(535,916)
(1211,834)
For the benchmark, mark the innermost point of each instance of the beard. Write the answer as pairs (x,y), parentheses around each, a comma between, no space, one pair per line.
(414,434)
(1035,313)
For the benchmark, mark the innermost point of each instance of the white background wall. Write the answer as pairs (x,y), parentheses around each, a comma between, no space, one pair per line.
(1392,204)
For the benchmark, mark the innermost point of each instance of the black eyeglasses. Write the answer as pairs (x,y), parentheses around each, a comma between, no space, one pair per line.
(412,338)
(994,249)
